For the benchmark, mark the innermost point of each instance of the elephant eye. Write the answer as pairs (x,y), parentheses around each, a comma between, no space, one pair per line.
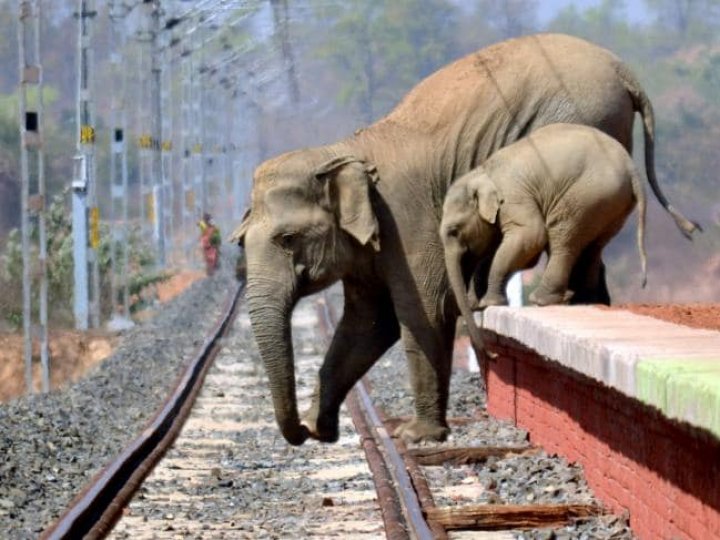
(286,240)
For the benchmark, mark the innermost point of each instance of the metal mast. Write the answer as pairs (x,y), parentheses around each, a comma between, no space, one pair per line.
(201,111)
(118,166)
(84,179)
(229,150)
(187,109)
(32,201)
(167,147)
(144,141)
(157,131)
(198,149)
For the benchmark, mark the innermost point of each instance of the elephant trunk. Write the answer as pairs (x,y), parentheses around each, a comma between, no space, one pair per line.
(453,262)
(270,314)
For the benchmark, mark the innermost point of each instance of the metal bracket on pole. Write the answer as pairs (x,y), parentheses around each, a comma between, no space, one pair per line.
(79,227)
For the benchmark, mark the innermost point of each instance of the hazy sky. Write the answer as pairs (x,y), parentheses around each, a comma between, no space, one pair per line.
(634,9)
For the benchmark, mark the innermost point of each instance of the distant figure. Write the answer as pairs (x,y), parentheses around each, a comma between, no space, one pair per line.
(210,243)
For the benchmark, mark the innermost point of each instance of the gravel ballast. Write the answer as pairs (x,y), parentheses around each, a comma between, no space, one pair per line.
(52,444)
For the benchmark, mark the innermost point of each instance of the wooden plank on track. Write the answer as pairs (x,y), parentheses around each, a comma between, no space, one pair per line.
(466,455)
(507,516)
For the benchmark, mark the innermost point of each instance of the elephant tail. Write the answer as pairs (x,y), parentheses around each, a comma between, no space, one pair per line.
(641,103)
(641,199)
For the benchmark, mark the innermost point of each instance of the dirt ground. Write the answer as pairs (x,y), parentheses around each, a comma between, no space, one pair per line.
(695,315)
(72,353)
(177,284)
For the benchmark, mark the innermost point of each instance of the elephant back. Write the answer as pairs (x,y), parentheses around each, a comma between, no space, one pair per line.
(517,85)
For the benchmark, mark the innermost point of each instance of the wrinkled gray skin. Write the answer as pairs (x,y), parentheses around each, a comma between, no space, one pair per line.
(366,210)
(565,189)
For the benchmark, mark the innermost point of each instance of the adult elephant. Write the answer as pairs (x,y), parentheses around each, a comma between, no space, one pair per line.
(366,210)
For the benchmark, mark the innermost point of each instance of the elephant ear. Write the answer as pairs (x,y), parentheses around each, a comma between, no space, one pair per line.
(488,199)
(238,235)
(347,185)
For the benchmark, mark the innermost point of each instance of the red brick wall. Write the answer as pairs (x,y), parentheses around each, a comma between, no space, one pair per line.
(666,474)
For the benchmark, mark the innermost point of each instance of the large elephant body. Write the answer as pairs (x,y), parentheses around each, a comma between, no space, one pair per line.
(366,210)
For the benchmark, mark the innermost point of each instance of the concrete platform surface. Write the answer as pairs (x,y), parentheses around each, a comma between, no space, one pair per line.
(671,367)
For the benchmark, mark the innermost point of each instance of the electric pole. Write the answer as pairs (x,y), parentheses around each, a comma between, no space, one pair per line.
(168,153)
(84,188)
(157,131)
(33,196)
(186,161)
(118,166)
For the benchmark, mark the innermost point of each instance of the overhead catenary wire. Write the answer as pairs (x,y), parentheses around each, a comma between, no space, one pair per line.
(199,25)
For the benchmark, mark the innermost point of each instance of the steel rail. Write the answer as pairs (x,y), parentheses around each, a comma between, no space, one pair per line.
(415,525)
(95,510)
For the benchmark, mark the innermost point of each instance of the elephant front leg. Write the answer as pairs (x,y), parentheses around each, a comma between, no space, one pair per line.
(518,250)
(367,329)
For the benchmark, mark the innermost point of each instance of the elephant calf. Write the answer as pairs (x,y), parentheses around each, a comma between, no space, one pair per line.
(565,189)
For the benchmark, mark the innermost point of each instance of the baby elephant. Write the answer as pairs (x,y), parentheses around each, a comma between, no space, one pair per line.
(564,189)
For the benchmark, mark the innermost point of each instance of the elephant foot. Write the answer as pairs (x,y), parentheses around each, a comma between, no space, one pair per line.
(542,298)
(417,430)
(295,435)
(493,299)
(324,429)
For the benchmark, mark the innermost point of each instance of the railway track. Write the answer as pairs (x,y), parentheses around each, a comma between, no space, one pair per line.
(229,474)
(93,512)
(409,509)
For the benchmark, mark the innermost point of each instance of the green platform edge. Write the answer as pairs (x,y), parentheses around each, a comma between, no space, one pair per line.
(686,389)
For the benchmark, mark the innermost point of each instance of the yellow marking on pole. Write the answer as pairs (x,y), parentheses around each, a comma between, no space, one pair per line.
(150,205)
(145,141)
(167,145)
(197,148)
(87,134)
(95,227)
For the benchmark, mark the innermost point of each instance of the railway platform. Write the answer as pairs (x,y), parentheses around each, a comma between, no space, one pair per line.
(634,399)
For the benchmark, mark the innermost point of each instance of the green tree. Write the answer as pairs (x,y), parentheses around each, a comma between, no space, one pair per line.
(509,18)
(282,32)
(686,19)
(605,24)
(380,48)
(8,47)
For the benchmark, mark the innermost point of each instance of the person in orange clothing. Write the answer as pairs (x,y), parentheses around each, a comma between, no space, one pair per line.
(210,242)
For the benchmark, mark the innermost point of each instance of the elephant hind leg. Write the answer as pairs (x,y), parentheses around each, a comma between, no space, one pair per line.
(430,380)
(587,278)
